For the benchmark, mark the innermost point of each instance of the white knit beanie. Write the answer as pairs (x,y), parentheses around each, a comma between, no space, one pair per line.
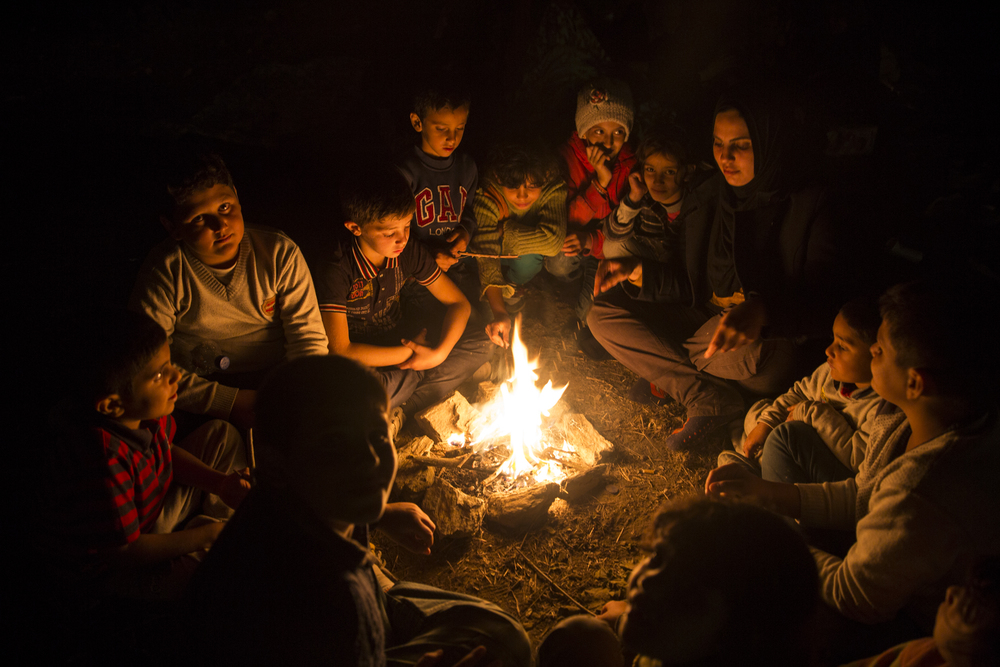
(604,100)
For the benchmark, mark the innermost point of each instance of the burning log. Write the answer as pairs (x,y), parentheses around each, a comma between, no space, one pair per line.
(522,509)
(456,462)
(580,485)
(450,416)
(589,445)
(412,479)
(454,513)
(486,391)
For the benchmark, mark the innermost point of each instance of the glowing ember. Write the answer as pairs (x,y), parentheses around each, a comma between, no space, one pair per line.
(518,412)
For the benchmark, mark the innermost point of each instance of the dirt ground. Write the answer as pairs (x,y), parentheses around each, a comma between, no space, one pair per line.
(586,548)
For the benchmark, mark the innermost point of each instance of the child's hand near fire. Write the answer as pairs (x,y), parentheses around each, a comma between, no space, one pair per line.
(408,525)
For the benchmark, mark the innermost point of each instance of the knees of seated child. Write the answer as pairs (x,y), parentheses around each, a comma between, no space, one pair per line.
(794,452)
(565,268)
(522,269)
(583,641)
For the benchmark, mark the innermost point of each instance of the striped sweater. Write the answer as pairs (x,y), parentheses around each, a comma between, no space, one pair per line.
(503,230)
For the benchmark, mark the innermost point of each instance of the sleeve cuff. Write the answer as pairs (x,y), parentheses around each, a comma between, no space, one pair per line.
(222,402)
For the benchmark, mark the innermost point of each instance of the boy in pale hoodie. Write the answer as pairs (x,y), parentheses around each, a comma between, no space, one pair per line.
(818,430)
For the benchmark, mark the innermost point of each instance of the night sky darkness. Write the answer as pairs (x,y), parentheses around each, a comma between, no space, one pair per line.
(293,92)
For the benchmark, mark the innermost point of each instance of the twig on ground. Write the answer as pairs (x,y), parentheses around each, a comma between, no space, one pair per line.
(441,463)
(554,584)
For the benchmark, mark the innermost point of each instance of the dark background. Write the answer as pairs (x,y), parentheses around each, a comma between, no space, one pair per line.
(294,93)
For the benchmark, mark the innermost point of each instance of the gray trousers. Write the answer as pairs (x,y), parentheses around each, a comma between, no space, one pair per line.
(421,389)
(423,619)
(665,344)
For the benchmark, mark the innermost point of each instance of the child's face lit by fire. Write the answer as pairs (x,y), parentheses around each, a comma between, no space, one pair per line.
(153,394)
(441,130)
(889,378)
(210,225)
(610,136)
(850,359)
(663,178)
(522,197)
(383,238)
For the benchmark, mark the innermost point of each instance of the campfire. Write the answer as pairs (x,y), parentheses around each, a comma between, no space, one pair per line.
(508,457)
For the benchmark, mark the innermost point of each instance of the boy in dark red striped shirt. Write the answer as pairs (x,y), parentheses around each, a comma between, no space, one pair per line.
(131,512)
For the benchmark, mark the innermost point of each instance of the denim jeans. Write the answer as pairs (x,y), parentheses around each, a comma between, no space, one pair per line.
(794,453)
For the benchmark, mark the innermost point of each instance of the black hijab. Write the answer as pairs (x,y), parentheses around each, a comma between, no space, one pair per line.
(764,188)
(765,137)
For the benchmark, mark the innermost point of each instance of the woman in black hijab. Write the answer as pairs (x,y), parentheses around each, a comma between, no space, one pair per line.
(757,277)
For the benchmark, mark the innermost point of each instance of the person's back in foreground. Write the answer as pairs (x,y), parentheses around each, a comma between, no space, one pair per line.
(287,583)
(120,497)
(688,604)
(234,301)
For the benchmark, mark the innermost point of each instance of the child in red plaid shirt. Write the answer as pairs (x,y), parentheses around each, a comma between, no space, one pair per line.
(131,512)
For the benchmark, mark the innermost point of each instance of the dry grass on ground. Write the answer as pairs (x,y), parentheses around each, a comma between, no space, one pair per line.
(589,547)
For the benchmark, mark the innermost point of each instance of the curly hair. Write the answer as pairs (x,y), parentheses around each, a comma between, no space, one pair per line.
(768,600)
(511,165)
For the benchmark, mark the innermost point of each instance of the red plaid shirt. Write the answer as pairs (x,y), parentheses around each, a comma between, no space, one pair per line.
(111,485)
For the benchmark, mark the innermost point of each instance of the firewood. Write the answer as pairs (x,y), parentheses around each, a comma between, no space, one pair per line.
(450,416)
(579,485)
(441,462)
(454,513)
(522,509)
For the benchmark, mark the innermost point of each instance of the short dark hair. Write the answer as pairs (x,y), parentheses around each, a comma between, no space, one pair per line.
(510,165)
(111,347)
(375,192)
(432,99)
(188,172)
(769,599)
(863,316)
(933,326)
(293,408)
(668,142)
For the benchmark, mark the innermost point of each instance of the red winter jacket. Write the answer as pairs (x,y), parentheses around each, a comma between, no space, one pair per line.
(588,202)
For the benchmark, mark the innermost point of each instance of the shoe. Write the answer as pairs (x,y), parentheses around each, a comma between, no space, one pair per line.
(728,456)
(515,304)
(697,432)
(589,345)
(396,420)
(647,393)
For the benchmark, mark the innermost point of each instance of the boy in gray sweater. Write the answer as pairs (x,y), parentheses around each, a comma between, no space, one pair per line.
(923,504)
(234,301)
